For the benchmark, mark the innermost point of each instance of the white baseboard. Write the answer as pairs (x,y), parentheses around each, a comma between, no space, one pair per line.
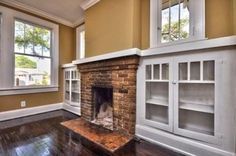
(75,110)
(8,115)
(177,143)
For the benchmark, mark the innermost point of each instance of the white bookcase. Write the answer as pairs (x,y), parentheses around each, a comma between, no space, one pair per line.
(158,104)
(181,100)
(186,101)
(72,95)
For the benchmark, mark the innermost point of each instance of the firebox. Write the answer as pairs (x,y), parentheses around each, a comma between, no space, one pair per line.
(103,106)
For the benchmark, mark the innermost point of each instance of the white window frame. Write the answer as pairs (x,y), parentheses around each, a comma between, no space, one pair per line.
(79,54)
(7,54)
(197,23)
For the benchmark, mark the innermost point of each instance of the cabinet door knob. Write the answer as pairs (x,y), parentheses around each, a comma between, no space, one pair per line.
(174,82)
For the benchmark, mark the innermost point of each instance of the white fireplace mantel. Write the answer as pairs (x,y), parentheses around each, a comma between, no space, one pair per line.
(184,47)
(122,53)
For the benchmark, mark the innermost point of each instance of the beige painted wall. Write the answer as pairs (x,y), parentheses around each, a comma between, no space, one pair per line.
(219,18)
(109,24)
(66,55)
(234,15)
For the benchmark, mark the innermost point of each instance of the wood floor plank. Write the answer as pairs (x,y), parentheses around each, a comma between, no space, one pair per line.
(44,136)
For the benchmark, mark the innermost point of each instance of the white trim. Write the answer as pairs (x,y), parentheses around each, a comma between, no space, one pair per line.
(177,143)
(190,46)
(183,47)
(78,22)
(69,65)
(88,3)
(41,13)
(72,109)
(122,53)
(27,90)
(8,115)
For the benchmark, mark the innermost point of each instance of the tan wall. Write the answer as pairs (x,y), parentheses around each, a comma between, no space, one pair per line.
(110,26)
(66,55)
(234,15)
(219,18)
(145,18)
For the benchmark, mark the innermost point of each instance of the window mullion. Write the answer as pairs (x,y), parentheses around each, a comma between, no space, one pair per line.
(169,19)
(179,20)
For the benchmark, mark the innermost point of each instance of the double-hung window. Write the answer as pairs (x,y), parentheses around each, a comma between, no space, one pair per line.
(29,53)
(32,47)
(176,21)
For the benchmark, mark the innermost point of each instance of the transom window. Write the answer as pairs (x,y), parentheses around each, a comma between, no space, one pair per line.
(175,20)
(32,54)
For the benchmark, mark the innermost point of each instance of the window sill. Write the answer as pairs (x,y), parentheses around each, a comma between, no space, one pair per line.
(27,90)
(180,42)
(191,46)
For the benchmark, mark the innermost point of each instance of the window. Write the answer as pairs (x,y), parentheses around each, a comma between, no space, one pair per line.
(80,42)
(32,54)
(29,55)
(176,21)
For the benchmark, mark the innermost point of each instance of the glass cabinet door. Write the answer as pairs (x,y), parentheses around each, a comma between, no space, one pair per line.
(195,99)
(157,95)
(72,87)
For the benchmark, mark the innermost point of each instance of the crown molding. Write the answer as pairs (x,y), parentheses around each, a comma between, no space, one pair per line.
(41,13)
(88,3)
(78,22)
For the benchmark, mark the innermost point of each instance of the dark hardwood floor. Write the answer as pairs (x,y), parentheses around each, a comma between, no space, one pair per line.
(42,135)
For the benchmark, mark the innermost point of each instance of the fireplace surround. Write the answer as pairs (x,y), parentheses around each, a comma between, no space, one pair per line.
(118,74)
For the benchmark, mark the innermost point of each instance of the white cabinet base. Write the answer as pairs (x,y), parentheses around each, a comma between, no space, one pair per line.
(72,109)
(177,143)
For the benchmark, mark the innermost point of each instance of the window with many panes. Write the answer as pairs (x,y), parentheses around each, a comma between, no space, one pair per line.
(32,54)
(29,53)
(174,21)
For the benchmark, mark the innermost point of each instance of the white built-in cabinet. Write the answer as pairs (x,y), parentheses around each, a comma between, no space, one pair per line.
(72,94)
(180,96)
(187,101)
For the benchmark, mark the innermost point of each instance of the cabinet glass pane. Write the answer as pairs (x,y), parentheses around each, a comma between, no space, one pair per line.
(196,121)
(196,107)
(183,71)
(75,97)
(67,85)
(156,71)
(67,75)
(75,86)
(148,72)
(199,94)
(195,71)
(157,93)
(209,70)
(157,113)
(165,71)
(67,95)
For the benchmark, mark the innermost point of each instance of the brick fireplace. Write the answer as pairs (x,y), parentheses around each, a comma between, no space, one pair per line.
(118,74)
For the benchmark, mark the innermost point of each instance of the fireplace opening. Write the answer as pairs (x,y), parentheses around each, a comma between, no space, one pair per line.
(103,106)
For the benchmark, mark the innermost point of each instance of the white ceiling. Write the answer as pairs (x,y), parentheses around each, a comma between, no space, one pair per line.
(68,11)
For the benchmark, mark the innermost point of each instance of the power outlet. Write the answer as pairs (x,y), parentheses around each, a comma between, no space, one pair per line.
(23,104)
